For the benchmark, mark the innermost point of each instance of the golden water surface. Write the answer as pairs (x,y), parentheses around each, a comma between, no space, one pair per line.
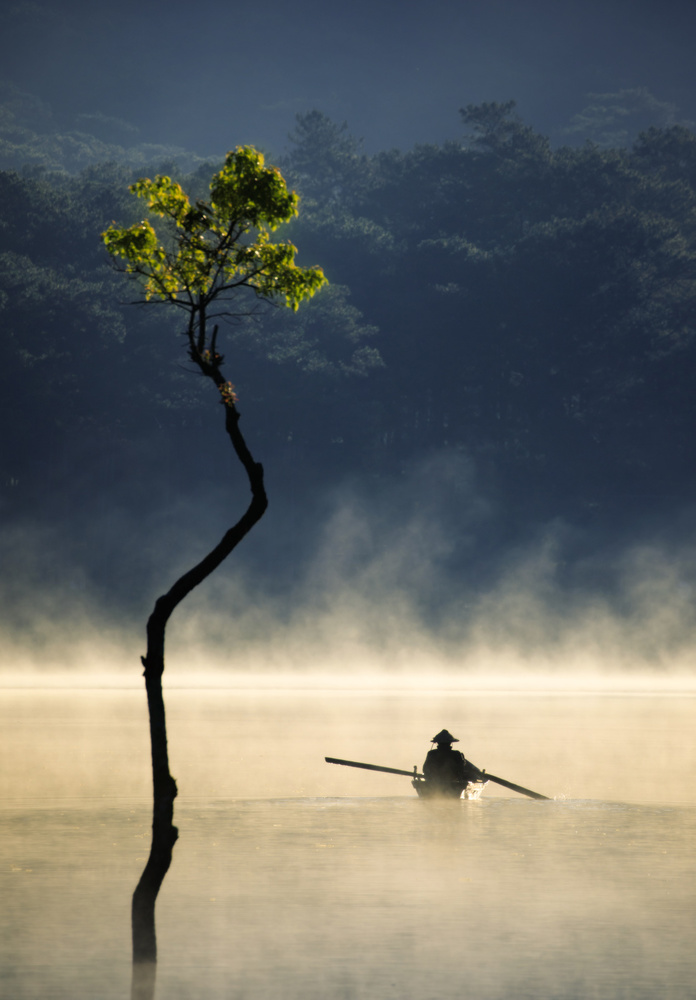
(295,878)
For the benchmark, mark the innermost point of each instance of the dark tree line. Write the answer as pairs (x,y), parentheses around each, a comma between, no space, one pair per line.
(529,306)
(535,306)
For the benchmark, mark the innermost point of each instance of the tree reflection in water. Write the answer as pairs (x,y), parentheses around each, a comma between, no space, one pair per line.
(164,833)
(143,983)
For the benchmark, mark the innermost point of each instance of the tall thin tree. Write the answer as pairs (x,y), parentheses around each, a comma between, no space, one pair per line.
(197,259)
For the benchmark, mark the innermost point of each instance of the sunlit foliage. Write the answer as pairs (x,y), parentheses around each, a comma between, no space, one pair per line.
(214,248)
(207,252)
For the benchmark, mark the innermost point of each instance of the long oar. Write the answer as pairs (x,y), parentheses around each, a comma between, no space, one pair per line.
(414,774)
(374,767)
(515,788)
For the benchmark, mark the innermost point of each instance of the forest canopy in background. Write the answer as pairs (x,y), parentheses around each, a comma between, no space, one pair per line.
(528,307)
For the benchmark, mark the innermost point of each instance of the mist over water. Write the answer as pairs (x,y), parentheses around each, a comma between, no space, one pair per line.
(412,580)
(297,878)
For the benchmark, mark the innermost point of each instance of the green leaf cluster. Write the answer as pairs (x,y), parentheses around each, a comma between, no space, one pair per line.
(210,249)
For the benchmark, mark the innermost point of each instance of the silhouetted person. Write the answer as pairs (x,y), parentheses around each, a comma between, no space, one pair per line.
(446,770)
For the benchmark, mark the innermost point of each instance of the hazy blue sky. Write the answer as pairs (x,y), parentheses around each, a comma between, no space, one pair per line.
(211,74)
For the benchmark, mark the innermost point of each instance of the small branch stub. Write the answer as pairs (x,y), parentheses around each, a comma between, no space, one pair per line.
(229,396)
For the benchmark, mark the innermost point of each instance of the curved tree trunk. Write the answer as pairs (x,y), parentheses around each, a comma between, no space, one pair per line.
(164,833)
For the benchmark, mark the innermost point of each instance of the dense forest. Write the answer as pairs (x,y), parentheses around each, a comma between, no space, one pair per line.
(501,312)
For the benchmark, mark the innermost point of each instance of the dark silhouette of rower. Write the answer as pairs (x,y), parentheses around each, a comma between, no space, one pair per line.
(447,770)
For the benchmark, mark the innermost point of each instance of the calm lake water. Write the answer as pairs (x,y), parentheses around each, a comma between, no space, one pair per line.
(294,878)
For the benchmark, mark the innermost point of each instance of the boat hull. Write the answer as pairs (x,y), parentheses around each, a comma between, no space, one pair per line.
(465,790)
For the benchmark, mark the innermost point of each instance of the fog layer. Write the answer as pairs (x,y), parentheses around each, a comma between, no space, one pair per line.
(399,581)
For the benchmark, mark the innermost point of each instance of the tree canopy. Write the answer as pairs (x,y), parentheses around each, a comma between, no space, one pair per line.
(544,297)
(213,249)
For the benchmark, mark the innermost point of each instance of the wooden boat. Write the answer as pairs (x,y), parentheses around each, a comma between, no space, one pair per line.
(427,790)
(458,790)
